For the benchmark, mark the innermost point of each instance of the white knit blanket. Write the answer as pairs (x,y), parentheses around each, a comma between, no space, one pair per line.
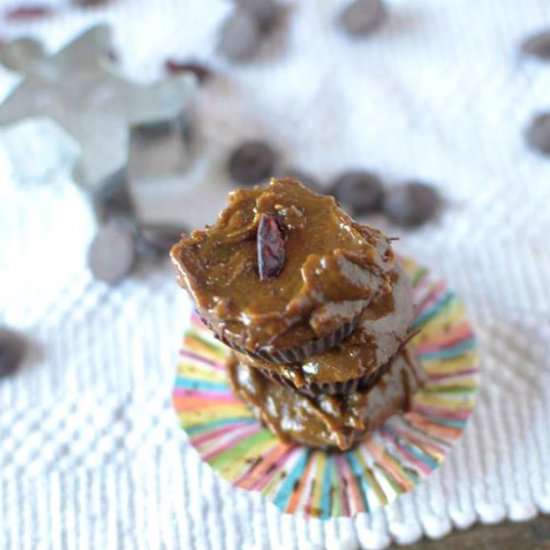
(91,455)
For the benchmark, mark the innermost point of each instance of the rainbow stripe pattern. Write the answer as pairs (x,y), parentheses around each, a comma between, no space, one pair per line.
(392,461)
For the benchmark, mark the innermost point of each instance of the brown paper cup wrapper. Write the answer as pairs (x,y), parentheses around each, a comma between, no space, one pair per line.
(298,354)
(333,388)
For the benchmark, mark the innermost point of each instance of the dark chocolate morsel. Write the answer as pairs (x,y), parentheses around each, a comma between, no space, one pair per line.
(359,191)
(538,133)
(160,238)
(12,351)
(304,178)
(538,45)
(239,36)
(89,2)
(265,12)
(271,248)
(201,71)
(252,162)
(112,253)
(362,17)
(411,204)
(112,199)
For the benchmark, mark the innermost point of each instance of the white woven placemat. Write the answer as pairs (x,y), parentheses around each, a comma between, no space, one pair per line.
(90,452)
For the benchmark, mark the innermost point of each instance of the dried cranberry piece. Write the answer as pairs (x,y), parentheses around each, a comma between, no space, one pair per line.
(29,12)
(201,71)
(271,248)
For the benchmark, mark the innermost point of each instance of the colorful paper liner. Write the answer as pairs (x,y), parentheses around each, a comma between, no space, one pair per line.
(392,461)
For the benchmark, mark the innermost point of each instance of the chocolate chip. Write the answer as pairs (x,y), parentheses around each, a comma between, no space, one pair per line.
(112,253)
(362,17)
(270,247)
(113,199)
(160,238)
(537,45)
(358,191)
(12,351)
(201,71)
(252,162)
(89,2)
(239,36)
(538,133)
(411,204)
(265,12)
(305,179)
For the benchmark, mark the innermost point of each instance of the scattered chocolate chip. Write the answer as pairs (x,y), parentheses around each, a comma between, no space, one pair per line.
(538,133)
(113,199)
(271,248)
(362,17)
(12,350)
(358,191)
(265,12)
(252,162)
(537,45)
(160,238)
(239,36)
(175,66)
(112,253)
(306,179)
(29,13)
(411,204)
(87,3)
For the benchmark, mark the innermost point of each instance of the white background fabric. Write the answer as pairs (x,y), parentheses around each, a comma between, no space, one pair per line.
(91,455)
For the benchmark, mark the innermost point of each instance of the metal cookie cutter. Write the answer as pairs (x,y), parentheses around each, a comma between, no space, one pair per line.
(127,132)
(129,135)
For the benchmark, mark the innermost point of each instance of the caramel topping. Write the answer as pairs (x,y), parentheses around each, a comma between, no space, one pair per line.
(327,420)
(333,267)
(382,330)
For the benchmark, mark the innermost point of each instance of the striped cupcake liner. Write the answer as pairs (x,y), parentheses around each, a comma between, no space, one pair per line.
(290,355)
(391,461)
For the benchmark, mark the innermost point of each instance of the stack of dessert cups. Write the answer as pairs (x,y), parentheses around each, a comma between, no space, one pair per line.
(315,307)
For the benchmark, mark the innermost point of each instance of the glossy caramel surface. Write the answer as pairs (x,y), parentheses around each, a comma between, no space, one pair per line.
(333,267)
(327,420)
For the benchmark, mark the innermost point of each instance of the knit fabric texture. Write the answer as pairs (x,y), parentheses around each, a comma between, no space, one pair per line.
(91,454)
